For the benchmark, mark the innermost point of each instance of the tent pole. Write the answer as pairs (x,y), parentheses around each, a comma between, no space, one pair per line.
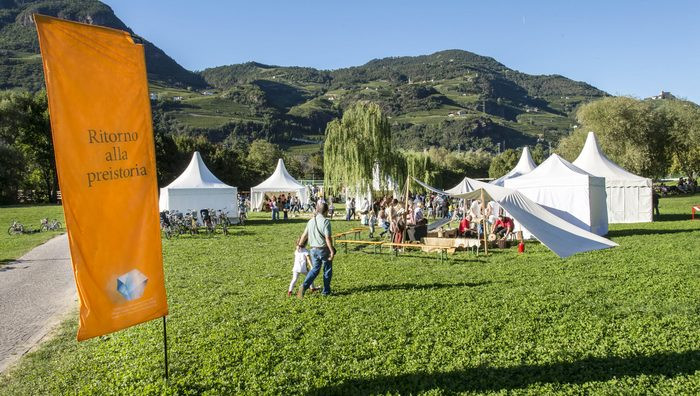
(483,217)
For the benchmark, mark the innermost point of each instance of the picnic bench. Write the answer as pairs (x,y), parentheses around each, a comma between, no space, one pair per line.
(356,231)
(376,244)
(442,250)
(695,208)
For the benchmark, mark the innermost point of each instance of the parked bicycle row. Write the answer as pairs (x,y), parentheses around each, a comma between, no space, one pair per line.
(176,223)
(17,228)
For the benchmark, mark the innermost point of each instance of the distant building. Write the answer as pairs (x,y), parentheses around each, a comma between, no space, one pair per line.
(462,112)
(177,98)
(207,93)
(153,96)
(663,95)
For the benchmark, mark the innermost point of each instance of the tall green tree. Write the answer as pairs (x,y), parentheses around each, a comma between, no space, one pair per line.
(356,144)
(634,133)
(24,124)
(503,163)
(684,131)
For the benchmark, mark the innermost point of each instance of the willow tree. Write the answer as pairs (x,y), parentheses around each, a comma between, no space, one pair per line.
(354,146)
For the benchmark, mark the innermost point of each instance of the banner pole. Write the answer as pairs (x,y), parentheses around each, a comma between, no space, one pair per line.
(165,347)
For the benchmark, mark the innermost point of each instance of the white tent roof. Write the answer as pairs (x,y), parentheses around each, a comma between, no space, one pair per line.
(560,236)
(592,160)
(525,165)
(558,172)
(197,175)
(280,181)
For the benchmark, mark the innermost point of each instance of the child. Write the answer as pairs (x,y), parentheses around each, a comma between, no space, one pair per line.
(301,258)
(372,222)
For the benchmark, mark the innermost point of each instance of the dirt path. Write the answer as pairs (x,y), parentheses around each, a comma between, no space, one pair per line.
(36,291)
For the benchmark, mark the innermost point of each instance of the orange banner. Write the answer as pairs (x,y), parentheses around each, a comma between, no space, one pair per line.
(103,140)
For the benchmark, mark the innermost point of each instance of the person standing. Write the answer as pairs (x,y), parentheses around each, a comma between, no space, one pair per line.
(318,233)
(275,210)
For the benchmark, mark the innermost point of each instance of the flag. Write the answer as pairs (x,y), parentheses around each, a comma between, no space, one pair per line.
(100,115)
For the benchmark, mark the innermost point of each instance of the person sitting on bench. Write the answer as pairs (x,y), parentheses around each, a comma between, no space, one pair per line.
(465,227)
(503,227)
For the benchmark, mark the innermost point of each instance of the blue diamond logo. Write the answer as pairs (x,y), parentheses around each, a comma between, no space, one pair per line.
(132,284)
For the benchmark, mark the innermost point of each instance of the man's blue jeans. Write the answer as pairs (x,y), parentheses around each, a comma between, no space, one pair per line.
(319,257)
(275,214)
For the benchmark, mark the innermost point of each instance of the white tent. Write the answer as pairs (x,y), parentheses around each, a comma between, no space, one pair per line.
(628,195)
(197,188)
(525,165)
(560,236)
(281,182)
(567,191)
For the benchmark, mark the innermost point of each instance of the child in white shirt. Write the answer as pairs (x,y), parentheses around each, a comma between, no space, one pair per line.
(301,258)
(372,222)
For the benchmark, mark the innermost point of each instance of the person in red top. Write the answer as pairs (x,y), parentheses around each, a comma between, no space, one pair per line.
(464,226)
(503,226)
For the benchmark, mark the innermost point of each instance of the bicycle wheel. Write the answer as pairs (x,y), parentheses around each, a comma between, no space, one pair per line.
(10,230)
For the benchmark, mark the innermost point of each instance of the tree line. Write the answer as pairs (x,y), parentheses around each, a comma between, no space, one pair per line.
(652,138)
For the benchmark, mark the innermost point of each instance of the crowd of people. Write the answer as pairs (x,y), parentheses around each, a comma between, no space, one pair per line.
(393,217)
(684,186)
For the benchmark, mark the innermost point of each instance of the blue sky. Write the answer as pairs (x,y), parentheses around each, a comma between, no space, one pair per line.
(625,47)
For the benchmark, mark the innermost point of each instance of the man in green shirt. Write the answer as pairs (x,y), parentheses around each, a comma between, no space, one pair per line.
(318,233)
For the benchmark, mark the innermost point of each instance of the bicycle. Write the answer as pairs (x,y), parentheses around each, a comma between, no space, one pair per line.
(223,221)
(53,225)
(16,228)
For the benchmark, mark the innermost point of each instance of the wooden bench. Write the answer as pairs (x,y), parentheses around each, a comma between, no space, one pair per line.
(375,244)
(354,231)
(695,208)
(442,250)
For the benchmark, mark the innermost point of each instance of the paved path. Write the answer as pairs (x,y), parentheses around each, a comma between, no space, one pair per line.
(36,292)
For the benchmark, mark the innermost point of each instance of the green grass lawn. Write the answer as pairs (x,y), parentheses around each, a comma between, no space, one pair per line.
(617,321)
(14,246)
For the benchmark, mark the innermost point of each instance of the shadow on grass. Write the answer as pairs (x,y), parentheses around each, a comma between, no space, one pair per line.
(406,286)
(643,231)
(484,379)
(672,217)
(268,222)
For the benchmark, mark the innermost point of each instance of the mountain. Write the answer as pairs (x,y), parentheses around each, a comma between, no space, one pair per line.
(453,99)
(20,62)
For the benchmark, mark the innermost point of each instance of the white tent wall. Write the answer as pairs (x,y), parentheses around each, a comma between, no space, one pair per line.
(185,199)
(629,204)
(568,192)
(628,195)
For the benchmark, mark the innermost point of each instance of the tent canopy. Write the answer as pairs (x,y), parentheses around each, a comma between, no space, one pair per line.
(592,160)
(197,175)
(560,236)
(197,188)
(567,191)
(280,182)
(628,195)
(524,166)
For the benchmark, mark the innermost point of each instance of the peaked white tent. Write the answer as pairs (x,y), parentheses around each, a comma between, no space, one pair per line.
(525,165)
(628,195)
(560,236)
(197,188)
(567,191)
(280,182)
